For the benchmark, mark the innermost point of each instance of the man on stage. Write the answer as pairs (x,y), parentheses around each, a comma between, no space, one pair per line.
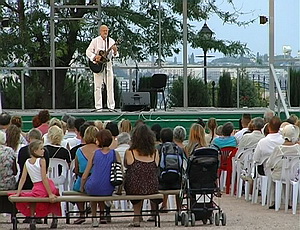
(103,43)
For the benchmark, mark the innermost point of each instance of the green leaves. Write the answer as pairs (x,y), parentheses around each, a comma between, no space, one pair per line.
(198,94)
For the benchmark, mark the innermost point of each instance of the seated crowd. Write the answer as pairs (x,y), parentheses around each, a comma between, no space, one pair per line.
(94,145)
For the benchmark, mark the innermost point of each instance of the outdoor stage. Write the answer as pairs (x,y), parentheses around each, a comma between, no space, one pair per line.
(170,118)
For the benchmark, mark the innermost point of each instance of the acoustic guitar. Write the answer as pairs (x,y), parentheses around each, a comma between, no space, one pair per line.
(98,67)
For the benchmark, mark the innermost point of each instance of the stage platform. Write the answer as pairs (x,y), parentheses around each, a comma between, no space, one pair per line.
(169,118)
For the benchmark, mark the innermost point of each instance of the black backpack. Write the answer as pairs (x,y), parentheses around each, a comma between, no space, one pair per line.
(171,159)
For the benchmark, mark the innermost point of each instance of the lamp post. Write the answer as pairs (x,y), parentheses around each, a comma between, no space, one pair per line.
(206,33)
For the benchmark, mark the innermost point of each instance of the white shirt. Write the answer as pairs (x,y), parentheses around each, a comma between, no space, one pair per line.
(274,163)
(238,136)
(34,170)
(250,139)
(98,44)
(121,150)
(73,142)
(266,146)
(70,134)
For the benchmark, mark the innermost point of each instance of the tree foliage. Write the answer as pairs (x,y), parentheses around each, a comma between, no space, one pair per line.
(27,41)
(249,96)
(198,94)
(225,91)
(295,92)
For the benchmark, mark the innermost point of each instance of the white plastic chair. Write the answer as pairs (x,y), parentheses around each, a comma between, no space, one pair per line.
(244,166)
(295,192)
(59,179)
(263,184)
(290,164)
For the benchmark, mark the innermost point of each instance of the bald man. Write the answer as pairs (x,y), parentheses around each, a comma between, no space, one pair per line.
(103,42)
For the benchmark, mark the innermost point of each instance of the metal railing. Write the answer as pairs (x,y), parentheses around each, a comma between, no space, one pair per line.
(132,73)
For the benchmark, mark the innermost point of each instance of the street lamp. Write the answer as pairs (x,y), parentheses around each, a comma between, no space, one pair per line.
(206,33)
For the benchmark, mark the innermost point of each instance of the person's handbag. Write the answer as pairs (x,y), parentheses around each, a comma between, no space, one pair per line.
(116,174)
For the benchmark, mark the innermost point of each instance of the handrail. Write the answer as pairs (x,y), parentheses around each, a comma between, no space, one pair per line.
(287,114)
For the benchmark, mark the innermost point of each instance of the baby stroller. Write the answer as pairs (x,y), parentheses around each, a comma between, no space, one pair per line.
(199,186)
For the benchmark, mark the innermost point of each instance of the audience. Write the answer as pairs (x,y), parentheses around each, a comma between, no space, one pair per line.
(250,140)
(55,149)
(290,147)
(17,120)
(8,168)
(113,128)
(196,139)
(83,155)
(156,128)
(125,126)
(100,164)
(4,121)
(82,129)
(141,161)
(227,140)
(212,128)
(123,144)
(95,148)
(266,145)
(44,118)
(179,135)
(246,118)
(13,136)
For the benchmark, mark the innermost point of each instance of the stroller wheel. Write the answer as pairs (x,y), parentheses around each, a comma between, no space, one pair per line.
(223,219)
(193,219)
(211,219)
(204,221)
(176,218)
(185,219)
(217,219)
(182,218)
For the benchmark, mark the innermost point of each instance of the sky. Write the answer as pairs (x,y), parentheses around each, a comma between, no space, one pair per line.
(256,36)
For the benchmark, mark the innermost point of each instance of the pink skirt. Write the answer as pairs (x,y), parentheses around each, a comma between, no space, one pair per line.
(42,209)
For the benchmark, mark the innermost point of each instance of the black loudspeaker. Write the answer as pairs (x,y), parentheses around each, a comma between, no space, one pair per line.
(135,101)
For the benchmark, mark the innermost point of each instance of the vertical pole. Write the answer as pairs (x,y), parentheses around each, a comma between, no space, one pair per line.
(238,89)
(271,55)
(76,90)
(22,90)
(52,47)
(205,64)
(130,80)
(99,13)
(184,57)
(159,34)
(288,86)
(213,93)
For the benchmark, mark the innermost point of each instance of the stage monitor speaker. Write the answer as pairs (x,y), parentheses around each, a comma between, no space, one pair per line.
(135,101)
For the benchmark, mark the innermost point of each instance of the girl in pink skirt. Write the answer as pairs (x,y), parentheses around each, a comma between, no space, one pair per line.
(42,187)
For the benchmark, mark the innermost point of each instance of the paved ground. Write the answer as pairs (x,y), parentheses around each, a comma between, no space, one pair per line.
(240,215)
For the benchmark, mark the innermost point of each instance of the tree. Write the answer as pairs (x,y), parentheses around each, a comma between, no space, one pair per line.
(27,42)
(225,91)
(198,94)
(295,82)
(248,92)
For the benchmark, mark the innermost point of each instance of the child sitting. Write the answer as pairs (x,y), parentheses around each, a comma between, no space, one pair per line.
(42,187)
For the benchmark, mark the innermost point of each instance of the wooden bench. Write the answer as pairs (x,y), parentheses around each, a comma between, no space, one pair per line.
(81,197)
(5,205)
(169,192)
